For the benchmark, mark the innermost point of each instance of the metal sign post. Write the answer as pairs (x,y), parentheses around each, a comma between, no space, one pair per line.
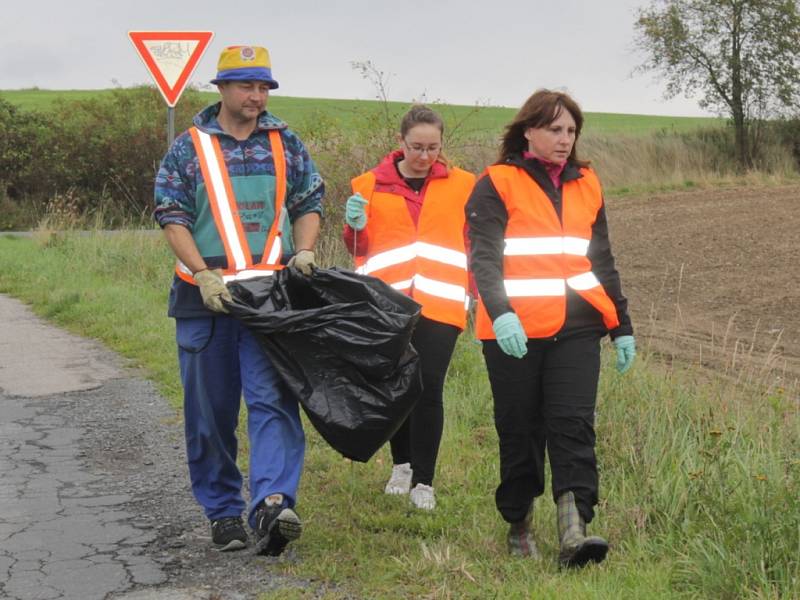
(170,125)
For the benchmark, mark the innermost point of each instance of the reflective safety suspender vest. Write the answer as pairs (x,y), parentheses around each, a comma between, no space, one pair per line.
(543,256)
(226,214)
(428,261)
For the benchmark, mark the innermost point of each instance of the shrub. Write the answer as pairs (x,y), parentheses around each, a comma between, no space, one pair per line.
(25,145)
(787,133)
(104,152)
(117,144)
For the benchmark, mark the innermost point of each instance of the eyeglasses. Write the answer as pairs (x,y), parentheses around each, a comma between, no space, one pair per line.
(420,149)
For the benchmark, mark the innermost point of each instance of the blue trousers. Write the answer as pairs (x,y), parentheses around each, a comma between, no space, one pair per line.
(220,361)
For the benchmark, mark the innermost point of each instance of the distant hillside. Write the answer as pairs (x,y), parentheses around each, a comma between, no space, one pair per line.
(490,120)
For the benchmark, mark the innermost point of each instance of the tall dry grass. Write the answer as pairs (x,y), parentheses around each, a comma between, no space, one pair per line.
(677,159)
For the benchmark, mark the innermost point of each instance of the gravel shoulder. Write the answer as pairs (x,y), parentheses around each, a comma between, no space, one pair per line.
(96,500)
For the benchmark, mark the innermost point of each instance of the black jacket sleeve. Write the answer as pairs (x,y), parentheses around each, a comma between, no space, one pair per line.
(487,218)
(599,253)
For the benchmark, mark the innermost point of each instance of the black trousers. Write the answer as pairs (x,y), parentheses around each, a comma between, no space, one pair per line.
(417,440)
(545,400)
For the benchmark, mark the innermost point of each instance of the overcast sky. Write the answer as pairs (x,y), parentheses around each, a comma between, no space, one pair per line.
(460,52)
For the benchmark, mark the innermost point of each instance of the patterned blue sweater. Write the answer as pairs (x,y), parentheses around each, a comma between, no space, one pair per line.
(179,188)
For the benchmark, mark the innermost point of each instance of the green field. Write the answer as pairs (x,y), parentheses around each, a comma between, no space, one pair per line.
(488,119)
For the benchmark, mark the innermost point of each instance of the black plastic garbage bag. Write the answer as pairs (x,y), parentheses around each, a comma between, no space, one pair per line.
(341,343)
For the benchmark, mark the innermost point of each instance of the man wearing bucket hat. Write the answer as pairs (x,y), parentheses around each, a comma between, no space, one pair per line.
(236,195)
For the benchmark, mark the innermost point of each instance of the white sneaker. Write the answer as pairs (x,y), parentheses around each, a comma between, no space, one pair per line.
(400,481)
(422,497)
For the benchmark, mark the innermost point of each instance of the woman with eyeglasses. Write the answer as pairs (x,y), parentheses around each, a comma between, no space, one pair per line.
(405,226)
(549,291)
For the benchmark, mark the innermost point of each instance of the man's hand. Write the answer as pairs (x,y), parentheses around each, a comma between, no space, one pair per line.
(303,261)
(213,289)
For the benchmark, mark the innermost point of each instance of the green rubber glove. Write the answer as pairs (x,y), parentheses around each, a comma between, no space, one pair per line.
(355,213)
(213,289)
(510,335)
(626,352)
(304,261)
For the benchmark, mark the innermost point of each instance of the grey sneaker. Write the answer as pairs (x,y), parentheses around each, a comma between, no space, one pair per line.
(423,497)
(228,534)
(399,482)
(275,528)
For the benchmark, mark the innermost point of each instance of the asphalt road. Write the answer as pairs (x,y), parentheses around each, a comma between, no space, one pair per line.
(94,500)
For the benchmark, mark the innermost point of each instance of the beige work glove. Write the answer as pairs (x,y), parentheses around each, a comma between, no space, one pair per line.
(304,261)
(213,289)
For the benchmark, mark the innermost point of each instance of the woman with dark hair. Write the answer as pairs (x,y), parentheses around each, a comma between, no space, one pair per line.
(405,226)
(549,291)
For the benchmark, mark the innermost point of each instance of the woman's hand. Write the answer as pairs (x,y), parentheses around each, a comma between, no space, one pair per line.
(355,213)
(626,352)
(510,335)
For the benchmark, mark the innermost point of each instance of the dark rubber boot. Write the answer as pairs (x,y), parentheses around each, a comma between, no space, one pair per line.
(576,548)
(520,539)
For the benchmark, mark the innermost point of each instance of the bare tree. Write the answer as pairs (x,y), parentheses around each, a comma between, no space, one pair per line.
(387,121)
(741,56)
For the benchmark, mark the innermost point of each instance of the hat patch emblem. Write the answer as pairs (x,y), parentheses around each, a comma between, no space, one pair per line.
(247,53)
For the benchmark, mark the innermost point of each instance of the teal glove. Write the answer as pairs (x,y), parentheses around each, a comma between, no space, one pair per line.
(626,352)
(510,335)
(355,214)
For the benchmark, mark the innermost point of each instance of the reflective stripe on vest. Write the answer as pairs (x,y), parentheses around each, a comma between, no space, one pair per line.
(441,289)
(546,245)
(410,252)
(259,270)
(427,261)
(543,255)
(226,214)
(519,288)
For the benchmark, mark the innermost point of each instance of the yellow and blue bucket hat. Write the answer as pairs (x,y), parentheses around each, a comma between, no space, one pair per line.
(245,63)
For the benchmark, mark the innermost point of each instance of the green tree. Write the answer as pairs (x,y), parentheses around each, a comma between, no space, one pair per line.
(742,57)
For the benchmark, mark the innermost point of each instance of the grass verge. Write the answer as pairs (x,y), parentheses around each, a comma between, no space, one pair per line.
(700,485)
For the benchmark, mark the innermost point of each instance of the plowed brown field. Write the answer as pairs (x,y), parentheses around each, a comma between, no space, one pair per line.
(713,276)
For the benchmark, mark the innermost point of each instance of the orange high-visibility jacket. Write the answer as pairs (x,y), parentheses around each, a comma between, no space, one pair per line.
(226,213)
(427,261)
(544,255)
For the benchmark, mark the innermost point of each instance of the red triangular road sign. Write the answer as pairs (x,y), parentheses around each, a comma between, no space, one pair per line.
(171,57)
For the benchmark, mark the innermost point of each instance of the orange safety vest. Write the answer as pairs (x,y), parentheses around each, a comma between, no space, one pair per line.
(544,255)
(226,215)
(428,261)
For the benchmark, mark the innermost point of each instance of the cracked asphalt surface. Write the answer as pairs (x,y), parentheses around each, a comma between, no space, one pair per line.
(95,500)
